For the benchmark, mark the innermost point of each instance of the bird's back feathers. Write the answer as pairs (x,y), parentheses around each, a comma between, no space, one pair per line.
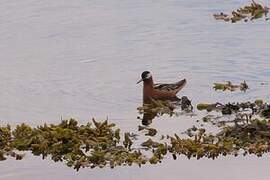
(173,88)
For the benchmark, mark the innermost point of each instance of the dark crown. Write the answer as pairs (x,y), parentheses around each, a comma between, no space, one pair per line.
(145,74)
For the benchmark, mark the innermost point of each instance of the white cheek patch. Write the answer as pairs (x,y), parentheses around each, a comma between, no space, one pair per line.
(148,76)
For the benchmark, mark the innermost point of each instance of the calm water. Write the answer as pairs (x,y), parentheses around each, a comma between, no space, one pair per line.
(82,59)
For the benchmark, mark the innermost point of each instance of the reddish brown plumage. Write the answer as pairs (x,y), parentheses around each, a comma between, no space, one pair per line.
(162,91)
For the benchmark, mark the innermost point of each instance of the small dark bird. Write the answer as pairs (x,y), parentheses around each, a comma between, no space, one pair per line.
(159,91)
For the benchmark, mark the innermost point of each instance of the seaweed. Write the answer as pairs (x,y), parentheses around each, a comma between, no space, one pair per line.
(101,144)
(258,107)
(230,87)
(249,138)
(150,131)
(6,147)
(5,139)
(247,13)
(94,144)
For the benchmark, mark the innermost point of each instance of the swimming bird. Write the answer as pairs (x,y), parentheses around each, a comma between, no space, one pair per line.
(159,91)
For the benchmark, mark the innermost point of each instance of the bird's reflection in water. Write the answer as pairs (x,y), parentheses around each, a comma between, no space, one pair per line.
(148,118)
(159,108)
(151,113)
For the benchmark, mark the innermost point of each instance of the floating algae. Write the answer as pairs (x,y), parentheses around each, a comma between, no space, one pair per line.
(258,107)
(101,144)
(249,138)
(150,131)
(95,144)
(253,137)
(230,87)
(242,135)
(209,107)
(159,150)
(6,148)
(246,13)
(5,139)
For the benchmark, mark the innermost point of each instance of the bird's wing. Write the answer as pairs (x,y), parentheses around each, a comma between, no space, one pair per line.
(174,87)
(165,87)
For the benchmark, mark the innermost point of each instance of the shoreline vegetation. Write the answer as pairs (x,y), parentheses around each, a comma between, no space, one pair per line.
(103,144)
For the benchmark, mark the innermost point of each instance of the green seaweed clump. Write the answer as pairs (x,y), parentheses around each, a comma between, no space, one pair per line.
(5,139)
(201,145)
(6,148)
(258,107)
(159,150)
(94,144)
(150,131)
(230,87)
(101,144)
(209,107)
(246,13)
(251,137)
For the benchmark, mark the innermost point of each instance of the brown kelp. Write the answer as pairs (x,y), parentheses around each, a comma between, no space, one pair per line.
(247,13)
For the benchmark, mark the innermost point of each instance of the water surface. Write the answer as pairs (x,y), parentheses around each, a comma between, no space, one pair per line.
(82,59)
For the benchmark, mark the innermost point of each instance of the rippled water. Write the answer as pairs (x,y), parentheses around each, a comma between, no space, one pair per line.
(82,58)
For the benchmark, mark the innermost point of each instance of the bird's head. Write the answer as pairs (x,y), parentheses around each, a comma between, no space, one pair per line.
(145,76)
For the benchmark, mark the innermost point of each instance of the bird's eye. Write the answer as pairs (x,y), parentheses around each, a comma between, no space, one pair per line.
(148,76)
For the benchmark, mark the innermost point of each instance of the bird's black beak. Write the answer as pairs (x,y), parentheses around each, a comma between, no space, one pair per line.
(139,81)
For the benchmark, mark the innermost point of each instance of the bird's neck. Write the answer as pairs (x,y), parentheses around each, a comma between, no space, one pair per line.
(148,87)
(148,84)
